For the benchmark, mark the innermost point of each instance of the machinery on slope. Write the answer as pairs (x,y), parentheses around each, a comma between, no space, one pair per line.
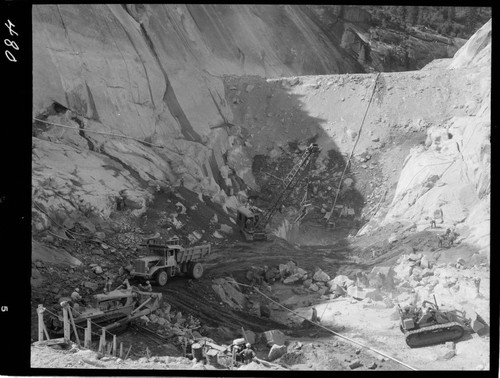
(432,327)
(113,310)
(167,259)
(252,221)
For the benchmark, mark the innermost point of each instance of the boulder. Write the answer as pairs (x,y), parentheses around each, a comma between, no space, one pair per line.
(314,287)
(276,352)
(97,269)
(337,290)
(426,273)
(275,337)
(425,263)
(403,271)
(90,285)
(321,276)
(301,272)
(414,257)
(468,290)
(373,294)
(291,267)
(355,364)
(225,229)
(292,279)
(447,355)
(342,281)
(322,290)
(283,270)
(308,283)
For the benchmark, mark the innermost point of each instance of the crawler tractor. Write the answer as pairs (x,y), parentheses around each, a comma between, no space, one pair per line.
(432,326)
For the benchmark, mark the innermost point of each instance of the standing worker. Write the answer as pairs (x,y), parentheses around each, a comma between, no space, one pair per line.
(248,354)
(107,285)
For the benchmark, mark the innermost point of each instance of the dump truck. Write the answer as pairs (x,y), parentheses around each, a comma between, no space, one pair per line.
(167,258)
(113,310)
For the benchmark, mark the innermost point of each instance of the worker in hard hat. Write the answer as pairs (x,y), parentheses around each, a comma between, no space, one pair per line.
(248,354)
(146,287)
(76,298)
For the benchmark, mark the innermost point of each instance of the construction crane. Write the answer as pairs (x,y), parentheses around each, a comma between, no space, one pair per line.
(252,221)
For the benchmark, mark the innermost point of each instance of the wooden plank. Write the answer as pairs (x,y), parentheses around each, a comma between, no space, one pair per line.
(74,326)
(129,349)
(114,345)
(67,331)
(215,346)
(88,334)
(57,341)
(45,331)
(102,341)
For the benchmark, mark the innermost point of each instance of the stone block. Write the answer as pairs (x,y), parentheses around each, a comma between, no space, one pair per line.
(275,337)
(356,292)
(425,263)
(276,352)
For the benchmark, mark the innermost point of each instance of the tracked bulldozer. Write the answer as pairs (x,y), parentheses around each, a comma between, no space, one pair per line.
(429,325)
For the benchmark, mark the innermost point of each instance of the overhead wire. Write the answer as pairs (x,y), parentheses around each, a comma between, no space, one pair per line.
(352,150)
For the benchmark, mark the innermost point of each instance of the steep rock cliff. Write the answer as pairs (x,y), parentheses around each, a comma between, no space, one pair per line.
(152,74)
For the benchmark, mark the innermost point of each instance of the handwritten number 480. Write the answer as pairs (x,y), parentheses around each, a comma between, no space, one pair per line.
(10,43)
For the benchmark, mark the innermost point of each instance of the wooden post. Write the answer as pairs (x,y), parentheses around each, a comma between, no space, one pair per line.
(67,331)
(102,341)
(109,349)
(88,334)
(121,350)
(74,326)
(40,311)
(114,345)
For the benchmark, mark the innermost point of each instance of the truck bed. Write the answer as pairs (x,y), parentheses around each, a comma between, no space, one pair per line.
(193,253)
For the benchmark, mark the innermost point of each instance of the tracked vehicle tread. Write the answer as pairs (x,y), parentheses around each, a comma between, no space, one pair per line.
(436,334)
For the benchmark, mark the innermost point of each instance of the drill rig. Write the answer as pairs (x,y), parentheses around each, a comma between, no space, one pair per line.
(252,221)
